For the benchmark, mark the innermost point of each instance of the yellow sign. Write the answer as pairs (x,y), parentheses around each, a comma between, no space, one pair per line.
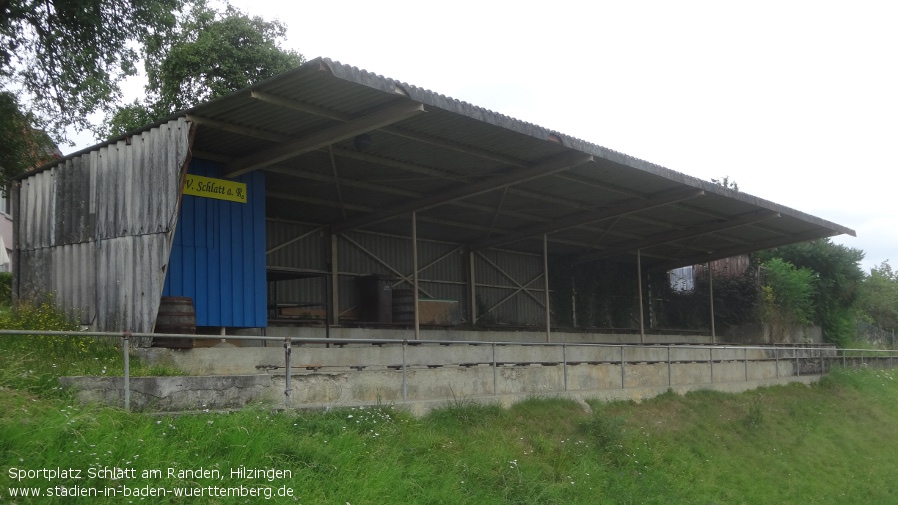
(220,189)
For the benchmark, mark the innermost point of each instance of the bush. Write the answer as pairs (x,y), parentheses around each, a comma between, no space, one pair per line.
(5,288)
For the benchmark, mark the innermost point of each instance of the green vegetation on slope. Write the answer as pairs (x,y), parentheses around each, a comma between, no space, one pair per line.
(829,443)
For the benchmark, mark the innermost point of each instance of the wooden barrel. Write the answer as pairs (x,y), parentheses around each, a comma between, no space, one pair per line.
(176,315)
(403,306)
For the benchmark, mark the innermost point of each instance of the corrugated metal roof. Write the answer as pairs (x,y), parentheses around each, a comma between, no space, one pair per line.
(473,175)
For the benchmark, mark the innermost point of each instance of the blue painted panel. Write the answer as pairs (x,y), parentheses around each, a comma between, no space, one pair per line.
(218,256)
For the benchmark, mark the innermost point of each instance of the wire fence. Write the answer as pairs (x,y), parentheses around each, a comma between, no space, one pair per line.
(787,359)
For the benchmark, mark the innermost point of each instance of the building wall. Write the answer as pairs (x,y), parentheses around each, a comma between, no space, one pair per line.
(95,230)
(6,230)
(218,256)
(443,272)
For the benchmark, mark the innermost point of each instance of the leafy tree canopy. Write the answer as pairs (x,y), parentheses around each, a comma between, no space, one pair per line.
(726,182)
(67,57)
(839,278)
(61,60)
(879,297)
(211,54)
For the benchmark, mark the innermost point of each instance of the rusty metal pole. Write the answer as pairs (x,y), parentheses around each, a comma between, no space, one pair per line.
(335,284)
(472,288)
(639,284)
(711,295)
(415,266)
(126,346)
(546,286)
(288,350)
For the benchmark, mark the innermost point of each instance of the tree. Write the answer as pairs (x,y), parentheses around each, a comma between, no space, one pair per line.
(725,182)
(879,297)
(61,60)
(22,146)
(787,296)
(211,54)
(839,277)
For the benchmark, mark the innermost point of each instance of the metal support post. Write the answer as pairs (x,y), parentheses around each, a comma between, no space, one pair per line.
(711,295)
(776,360)
(669,371)
(546,286)
(797,362)
(745,350)
(404,373)
(711,362)
(639,284)
(564,363)
(126,346)
(495,372)
(288,350)
(472,288)
(415,266)
(334,309)
(623,370)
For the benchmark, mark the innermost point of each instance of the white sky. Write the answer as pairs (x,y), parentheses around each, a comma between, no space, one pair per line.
(797,101)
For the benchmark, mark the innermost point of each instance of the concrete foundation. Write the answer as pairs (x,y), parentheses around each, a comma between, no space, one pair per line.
(422,375)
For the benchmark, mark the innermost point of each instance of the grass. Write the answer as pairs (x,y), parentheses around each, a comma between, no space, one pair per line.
(35,362)
(829,443)
(833,442)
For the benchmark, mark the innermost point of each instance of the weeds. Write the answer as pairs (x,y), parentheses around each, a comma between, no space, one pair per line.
(35,362)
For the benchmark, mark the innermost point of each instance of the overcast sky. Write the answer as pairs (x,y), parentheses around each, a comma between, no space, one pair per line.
(796,101)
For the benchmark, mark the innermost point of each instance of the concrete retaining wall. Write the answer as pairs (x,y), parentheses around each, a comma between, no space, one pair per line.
(430,386)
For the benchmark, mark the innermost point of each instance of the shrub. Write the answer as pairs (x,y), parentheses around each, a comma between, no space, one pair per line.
(5,288)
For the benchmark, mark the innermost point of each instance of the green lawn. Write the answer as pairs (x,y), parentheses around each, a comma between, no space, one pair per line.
(830,443)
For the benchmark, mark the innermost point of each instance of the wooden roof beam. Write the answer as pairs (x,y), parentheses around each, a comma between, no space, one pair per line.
(497,181)
(323,138)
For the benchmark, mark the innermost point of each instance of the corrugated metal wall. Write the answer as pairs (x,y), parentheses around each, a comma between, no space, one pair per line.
(442,270)
(218,256)
(95,230)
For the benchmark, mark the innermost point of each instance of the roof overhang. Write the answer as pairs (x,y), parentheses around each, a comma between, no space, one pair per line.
(352,150)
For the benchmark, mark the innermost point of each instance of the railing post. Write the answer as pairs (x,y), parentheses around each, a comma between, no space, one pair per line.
(404,378)
(126,346)
(288,350)
(495,372)
(745,350)
(797,362)
(711,362)
(564,363)
(776,360)
(622,368)
(669,372)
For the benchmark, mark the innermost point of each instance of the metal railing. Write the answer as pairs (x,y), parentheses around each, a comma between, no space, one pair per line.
(808,360)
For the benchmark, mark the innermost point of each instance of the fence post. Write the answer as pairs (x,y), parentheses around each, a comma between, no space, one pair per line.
(495,372)
(711,362)
(745,351)
(776,360)
(288,350)
(622,368)
(669,372)
(564,363)
(797,362)
(404,379)
(126,345)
